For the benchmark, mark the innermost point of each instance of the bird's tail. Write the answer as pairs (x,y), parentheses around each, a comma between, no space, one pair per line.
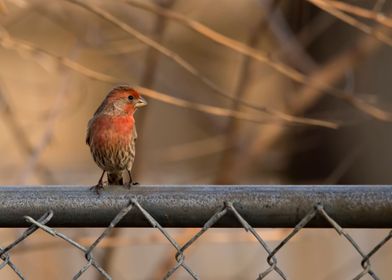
(115,179)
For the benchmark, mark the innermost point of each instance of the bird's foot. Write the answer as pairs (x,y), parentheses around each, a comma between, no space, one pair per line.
(129,185)
(97,188)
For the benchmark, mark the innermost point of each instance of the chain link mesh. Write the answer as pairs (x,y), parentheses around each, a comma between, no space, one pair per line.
(228,208)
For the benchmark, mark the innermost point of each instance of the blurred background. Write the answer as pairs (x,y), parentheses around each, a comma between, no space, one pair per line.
(239,92)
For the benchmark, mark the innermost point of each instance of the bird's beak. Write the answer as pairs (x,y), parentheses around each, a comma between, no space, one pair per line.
(141,102)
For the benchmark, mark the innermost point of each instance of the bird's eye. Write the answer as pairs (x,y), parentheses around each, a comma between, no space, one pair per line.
(130,97)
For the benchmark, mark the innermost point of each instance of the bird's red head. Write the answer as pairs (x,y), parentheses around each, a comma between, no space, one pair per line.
(125,98)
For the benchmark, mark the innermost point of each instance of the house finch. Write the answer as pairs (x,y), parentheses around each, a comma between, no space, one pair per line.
(111,135)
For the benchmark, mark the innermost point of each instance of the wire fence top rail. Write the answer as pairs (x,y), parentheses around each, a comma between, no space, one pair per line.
(192,206)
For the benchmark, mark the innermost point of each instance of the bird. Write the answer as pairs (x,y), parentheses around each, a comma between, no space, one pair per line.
(111,135)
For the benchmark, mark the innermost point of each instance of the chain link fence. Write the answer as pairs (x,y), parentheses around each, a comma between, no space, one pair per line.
(234,209)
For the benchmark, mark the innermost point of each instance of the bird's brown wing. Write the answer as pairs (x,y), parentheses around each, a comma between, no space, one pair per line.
(88,133)
(132,149)
(99,110)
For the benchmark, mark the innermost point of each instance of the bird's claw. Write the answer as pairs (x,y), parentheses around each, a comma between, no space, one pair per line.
(131,184)
(97,188)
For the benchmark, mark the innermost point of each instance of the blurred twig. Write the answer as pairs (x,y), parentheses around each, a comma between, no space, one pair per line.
(216,110)
(121,47)
(22,140)
(150,72)
(169,261)
(378,5)
(194,149)
(233,136)
(344,165)
(315,28)
(161,49)
(3,8)
(329,8)
(151,60)
(282,68)
(331,73)
(36,53)
(220,38)
(290,47)
(48,133)
(185,65)
(361,12)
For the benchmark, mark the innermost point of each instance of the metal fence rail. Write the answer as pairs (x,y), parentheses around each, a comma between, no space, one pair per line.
(192,206)
(42,208)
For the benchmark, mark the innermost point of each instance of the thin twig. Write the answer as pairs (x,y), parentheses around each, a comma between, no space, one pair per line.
(194,149)
(290,47)
(53,116)
(282,68)
(121,47)
(8,42)
(169,261)
(229,156)
(344,165)
(361,12)
(3,8)
(164,51)
(378,6)
(220,39)
(214,110)
(185,65)
(22,140)
(329,8)
(332,72)
(150,73)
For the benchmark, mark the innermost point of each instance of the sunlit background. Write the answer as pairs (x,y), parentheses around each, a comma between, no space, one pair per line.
(298,92)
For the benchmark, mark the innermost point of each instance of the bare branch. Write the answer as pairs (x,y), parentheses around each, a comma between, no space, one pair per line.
(22,140)
(378,6)
(344,165)
(361,12)
(221,39)
(218,111)
(47,135)
(331,72)
(184,64)
(3,8)
(122,47)
(233,137)
(194,149)
(282,68)
(163,50)
(329,8)
(168,262)
(34,52)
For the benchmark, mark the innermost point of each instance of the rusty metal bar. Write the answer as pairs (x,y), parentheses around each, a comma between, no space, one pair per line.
(191,206)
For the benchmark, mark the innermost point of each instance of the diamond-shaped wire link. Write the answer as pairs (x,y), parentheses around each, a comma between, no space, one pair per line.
(179,256)
(375,249)
(273,261)
(87,251)
(4,252)
(365,264)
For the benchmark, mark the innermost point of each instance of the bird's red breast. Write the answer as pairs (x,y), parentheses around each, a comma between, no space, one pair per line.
(112,130)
